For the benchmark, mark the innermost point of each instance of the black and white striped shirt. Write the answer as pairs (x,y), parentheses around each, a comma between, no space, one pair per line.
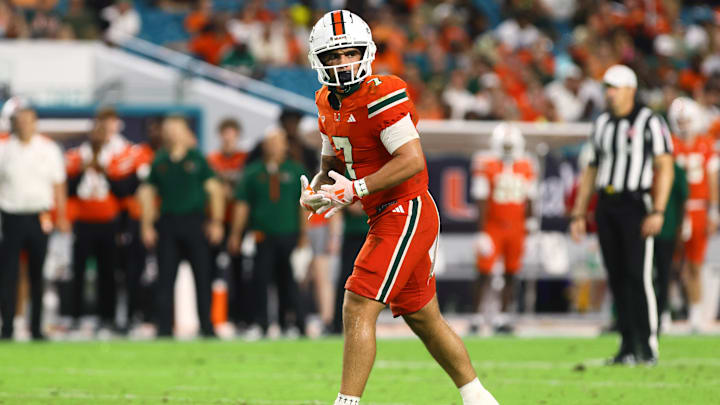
(624,149)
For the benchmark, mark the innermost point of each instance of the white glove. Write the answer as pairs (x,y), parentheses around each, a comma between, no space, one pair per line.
(331,208)
(311,200)
(484,245)
(342,191)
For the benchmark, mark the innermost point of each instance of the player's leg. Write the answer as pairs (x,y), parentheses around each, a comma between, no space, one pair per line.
(382,268)
(448,350)
(513,253)
(442,342)
(695,249)
(319,236)
(484,265)
(359,318)
(513,245)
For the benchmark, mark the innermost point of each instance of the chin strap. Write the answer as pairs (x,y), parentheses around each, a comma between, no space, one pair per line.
(345,90)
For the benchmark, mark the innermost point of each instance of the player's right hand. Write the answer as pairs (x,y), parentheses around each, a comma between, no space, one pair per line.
(484,245)
(311,200)
(577,228)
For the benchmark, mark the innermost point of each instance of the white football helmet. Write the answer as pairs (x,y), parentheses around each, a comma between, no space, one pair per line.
(341,29)
(687,117)
(507,141)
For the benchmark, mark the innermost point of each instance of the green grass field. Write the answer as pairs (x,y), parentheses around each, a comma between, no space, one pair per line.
(517,371)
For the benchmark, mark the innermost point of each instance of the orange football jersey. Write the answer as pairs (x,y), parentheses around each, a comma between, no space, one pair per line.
(93,200)
(697,158)
(354,132)
(134,161)
(509,185)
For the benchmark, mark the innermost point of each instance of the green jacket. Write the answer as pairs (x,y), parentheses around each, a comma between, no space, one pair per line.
(675,208)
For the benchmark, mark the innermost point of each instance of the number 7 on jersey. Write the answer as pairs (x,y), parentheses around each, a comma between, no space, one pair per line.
(343,142)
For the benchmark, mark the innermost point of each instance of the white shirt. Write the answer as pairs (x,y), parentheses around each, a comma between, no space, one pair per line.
(122,25)
(28,173)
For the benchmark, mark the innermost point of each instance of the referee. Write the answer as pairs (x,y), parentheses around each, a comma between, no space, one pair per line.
(631,156)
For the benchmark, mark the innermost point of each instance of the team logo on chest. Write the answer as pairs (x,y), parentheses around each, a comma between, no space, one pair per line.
(337,116)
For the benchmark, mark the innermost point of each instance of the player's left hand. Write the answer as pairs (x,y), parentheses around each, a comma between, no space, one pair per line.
(652,224)
(342,191)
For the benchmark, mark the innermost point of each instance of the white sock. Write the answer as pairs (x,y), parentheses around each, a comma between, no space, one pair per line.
(695,316)
(473,393)
(346,400)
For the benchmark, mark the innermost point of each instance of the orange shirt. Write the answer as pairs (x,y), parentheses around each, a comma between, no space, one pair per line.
(354,133)
(210,47)
(697,158)
(196,21)
(508,187)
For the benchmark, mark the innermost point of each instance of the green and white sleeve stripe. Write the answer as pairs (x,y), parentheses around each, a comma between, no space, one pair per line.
(386,102)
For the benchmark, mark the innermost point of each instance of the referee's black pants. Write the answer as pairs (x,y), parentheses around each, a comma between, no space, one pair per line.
(182,237)
(21,231)
(272,261)
(628,259)
(96,239)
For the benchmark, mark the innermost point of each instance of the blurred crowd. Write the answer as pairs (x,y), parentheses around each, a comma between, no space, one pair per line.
(529,60)
(111,20)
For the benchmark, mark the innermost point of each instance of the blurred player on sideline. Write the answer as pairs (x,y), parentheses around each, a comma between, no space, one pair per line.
(504,186)
(693,152)
(367,124)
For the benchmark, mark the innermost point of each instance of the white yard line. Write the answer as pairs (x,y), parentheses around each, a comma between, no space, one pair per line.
(80,395)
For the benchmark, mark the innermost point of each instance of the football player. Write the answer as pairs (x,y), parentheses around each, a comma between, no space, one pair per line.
(371,152)
(694,153)
(503,185)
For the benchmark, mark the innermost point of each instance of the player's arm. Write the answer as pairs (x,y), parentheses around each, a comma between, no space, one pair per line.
(585,190)
(241,212)
(60,198)
(402,141)
(714,209)
(214,190)
(664,173)
(532,224)
(480,192)
(407,160)
(327,163)
(146,195)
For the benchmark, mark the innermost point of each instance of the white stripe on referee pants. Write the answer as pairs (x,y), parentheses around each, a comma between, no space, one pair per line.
(650,294)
